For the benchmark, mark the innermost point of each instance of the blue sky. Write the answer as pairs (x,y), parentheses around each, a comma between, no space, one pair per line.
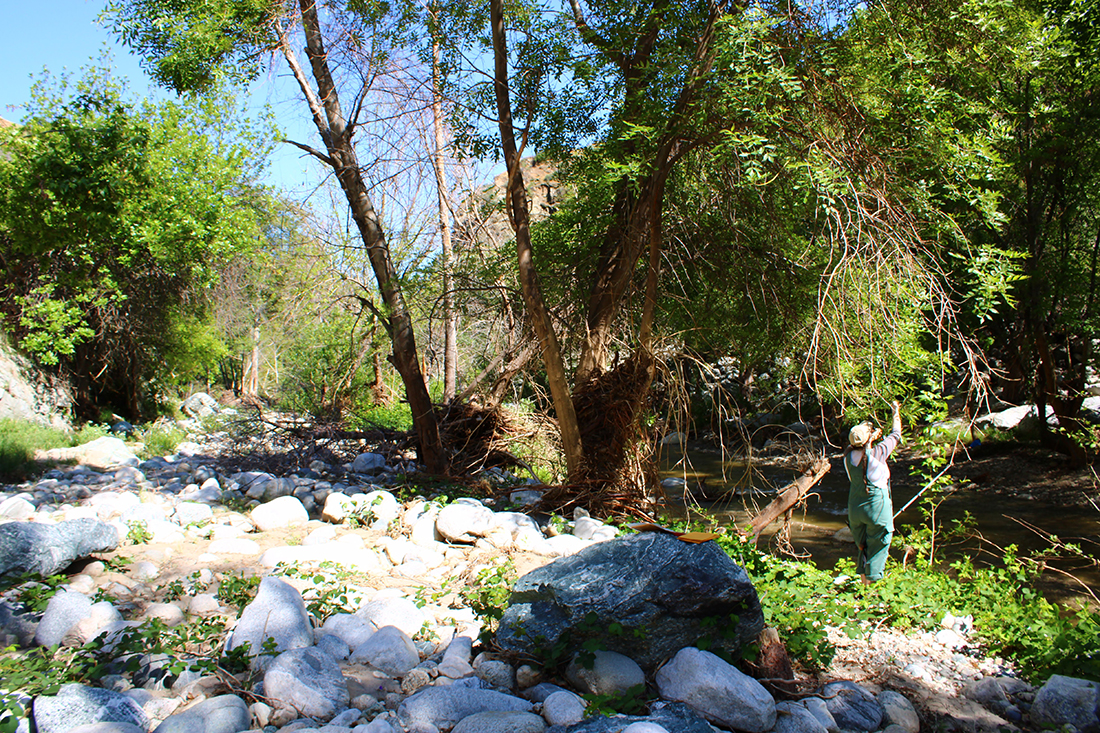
(63,35)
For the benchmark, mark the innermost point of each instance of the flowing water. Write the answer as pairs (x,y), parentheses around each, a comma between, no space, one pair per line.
(736,491)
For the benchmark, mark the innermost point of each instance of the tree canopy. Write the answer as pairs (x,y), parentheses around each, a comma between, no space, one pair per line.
(114,218)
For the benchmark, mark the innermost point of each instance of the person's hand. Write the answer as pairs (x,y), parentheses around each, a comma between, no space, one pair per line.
(896,406)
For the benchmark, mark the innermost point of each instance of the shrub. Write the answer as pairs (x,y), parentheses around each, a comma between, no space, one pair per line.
(162,441)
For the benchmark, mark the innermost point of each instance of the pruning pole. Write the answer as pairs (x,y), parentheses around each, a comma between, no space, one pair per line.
(927,486)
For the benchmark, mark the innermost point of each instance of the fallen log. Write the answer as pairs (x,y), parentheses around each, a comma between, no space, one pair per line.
(788,497)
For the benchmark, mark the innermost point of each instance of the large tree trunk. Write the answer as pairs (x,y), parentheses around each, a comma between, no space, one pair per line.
(330,122)
(519,214)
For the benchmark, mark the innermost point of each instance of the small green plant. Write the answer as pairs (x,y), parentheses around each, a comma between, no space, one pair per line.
(34,592)
(137,532)
(162,441)
(330,593)
(631,702)
(363,514)
(238,590)
(489,592)
(90,431)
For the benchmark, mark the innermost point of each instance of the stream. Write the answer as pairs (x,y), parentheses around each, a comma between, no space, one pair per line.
(737,491)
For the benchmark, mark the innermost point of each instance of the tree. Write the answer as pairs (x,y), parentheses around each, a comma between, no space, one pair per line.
(188,43)
(750,97)
(113,221)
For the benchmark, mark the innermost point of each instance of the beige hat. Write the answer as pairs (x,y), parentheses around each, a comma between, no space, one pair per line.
(860,435)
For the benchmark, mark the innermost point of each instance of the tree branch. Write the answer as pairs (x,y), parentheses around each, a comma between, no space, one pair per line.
(312,151)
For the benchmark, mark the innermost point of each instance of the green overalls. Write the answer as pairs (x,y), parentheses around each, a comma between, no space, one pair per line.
(870,508)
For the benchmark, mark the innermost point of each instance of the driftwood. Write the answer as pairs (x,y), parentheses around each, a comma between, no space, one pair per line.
(791,495)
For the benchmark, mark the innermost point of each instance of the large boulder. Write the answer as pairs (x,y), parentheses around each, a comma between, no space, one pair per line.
(200,405)
(46,549)
(1068,701)
(103,453)
(660,593)
(277,612)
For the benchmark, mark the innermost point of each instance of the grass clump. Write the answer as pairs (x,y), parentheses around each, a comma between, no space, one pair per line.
(162,441)
(19,440)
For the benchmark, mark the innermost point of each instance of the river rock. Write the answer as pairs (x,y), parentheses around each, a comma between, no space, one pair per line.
(105,452)
(309,681)
(200,405)
(63,611)
(717,690)
(852,707)
(17,628)
(46,549)
(464,521)
(563,708)
(649,581)
(16,508)
(75,705)
(673,717)
(605,673)
(444,707)
(286,511)
(368,463)
(390,650)
(897,710)
(399,612)
(791,717)
(349,628)
(1067,700)
(221,714)
(501,722)
(277,612)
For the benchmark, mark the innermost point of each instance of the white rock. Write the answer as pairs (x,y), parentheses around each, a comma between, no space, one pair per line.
(286,511)
(169,613)
(390,650)
(17,508)
(399,612)
(192,512)
(349,628)
(566,544)
(610,673)
(563,708)
(464,521)
(320,536)
(203,604)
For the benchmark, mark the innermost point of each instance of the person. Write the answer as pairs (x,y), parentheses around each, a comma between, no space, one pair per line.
(870,508)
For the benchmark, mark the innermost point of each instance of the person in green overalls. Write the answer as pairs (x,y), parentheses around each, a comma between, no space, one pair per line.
(870,508)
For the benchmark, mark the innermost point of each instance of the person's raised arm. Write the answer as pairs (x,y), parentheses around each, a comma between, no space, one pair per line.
(897,418)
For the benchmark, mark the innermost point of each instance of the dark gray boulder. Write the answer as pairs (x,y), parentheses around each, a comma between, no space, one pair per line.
(46,549)
(17,626)
(852,707)
(673,716)
(665,594)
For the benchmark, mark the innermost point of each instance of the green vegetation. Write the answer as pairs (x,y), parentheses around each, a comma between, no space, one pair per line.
(1011,619)
(19,439)
(114,219)
(161,441)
